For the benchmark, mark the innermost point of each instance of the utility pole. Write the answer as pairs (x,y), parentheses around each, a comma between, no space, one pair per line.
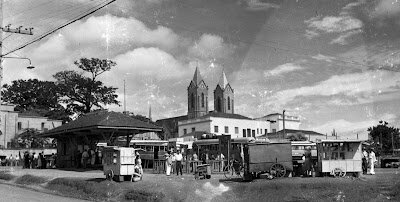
(284,131)
(18,30)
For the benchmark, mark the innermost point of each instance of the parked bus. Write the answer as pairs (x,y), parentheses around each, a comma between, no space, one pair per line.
(150,150)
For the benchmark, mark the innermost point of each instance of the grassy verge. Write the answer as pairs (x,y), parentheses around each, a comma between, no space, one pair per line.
(80,188)
(30,180)
(141,195)
(6,176)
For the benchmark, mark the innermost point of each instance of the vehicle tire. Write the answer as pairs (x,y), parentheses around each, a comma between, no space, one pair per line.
(208,176)
(228,172)
(109,175)
(338,172)
(277,170)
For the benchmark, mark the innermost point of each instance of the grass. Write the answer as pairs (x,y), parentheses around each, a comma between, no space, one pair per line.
(141,195)
(6,176)
(79,188)
(30,180)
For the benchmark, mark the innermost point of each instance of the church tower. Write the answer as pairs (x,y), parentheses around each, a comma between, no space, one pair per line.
(197,96)
(223,96)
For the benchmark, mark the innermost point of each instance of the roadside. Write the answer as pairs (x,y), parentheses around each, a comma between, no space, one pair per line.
(91,185)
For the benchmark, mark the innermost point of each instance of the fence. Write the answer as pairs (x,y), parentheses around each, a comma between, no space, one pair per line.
(190,166)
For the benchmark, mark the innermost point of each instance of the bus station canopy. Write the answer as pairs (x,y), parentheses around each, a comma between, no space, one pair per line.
(103,121)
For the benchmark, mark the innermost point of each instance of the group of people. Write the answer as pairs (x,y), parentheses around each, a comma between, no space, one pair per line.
(173,161)
(31,160)
(88,158)
(368,161)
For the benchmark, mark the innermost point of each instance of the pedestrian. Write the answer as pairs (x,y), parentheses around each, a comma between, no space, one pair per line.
(35,160)
(168,163)
(85,158)
(372,160)
(44,161)
(12,160)
(40,157)
(307,162)
(137,175)
(221,158)
(31,160)
(78,159)
(26,160)
(173,166)
(138,162)
(364,161)
(92,157)
(178,161)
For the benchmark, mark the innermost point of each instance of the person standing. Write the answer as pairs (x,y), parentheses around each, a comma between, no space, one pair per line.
(39,160)
(85,158)
(173,166)
(364,161)
(92,157)
(178,161)
(168,163)
(372,159)
(307,162)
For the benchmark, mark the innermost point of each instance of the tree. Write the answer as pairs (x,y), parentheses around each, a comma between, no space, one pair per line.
(30,139)
(382,136)
(36,97)
(81,93)
(297,137)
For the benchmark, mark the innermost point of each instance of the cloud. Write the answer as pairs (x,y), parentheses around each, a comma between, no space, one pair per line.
(282,69)
(110,30)
(257,5)
(342,39)
(386,8)
(150,62)
(334,24)
(323,58)
(365,85)
(211,46)
(344,127)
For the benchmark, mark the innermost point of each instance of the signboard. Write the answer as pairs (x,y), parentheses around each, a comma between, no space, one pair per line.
(225,144)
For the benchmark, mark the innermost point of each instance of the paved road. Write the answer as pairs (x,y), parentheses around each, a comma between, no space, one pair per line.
(15,194)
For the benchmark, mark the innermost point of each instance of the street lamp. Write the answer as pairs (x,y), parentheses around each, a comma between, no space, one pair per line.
(30,63)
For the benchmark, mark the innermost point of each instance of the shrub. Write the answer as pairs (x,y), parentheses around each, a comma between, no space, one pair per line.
(30,179)
(6,176)
(142,195)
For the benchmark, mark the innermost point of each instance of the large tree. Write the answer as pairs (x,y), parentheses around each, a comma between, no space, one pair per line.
(384,137)
(81,93)
(36,97)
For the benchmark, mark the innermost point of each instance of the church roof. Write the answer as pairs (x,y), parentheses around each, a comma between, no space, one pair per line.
(226,115)
(223,81)
(197,76)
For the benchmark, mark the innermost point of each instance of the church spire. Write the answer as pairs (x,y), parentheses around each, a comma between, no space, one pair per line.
(197,76)
(223,81)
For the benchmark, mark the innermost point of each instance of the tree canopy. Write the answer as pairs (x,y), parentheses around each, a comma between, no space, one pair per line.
(297,137)
(382,134)
(71,93)
(81,93)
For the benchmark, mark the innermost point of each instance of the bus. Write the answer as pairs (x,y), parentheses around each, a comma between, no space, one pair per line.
(150,150)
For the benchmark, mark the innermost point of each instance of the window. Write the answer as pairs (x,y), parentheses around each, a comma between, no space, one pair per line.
(219,104)
(192,100)
(202,99)
(185,131)
(248,132)
(229,103)
(216,129)
(254,133)
(42,126)
(193,129)
(266,131)
(258,131)
(226,129)
(236,130)
(19,126)
(244,132)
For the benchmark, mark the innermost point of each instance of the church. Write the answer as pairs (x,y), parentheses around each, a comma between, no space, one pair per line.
(220,121)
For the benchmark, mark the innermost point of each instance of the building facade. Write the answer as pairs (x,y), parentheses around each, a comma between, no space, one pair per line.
(276,120)
(13,123)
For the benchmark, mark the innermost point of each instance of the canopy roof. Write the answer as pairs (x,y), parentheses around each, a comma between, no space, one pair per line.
(104,120)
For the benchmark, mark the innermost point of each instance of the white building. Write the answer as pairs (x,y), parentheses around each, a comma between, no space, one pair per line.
(224,124)
(276,120)
(13,123)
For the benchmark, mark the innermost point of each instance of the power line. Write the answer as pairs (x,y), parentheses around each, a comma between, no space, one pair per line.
(60,27)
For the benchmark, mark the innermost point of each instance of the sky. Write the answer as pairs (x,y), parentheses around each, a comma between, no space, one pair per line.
(335,64)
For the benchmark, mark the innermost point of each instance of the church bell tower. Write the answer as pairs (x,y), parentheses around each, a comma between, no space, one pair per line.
(224,96)
(197,96)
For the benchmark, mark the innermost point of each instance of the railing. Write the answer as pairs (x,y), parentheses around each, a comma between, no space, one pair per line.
(190,166)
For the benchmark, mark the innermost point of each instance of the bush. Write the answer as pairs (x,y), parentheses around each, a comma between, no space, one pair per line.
(6,176)
(30,179)
(141,195)
(84,189)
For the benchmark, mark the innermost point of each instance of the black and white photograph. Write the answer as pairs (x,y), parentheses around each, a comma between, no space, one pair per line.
(200,100)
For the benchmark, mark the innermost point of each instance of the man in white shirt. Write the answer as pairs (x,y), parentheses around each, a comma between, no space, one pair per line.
(372,159)
(178,160)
